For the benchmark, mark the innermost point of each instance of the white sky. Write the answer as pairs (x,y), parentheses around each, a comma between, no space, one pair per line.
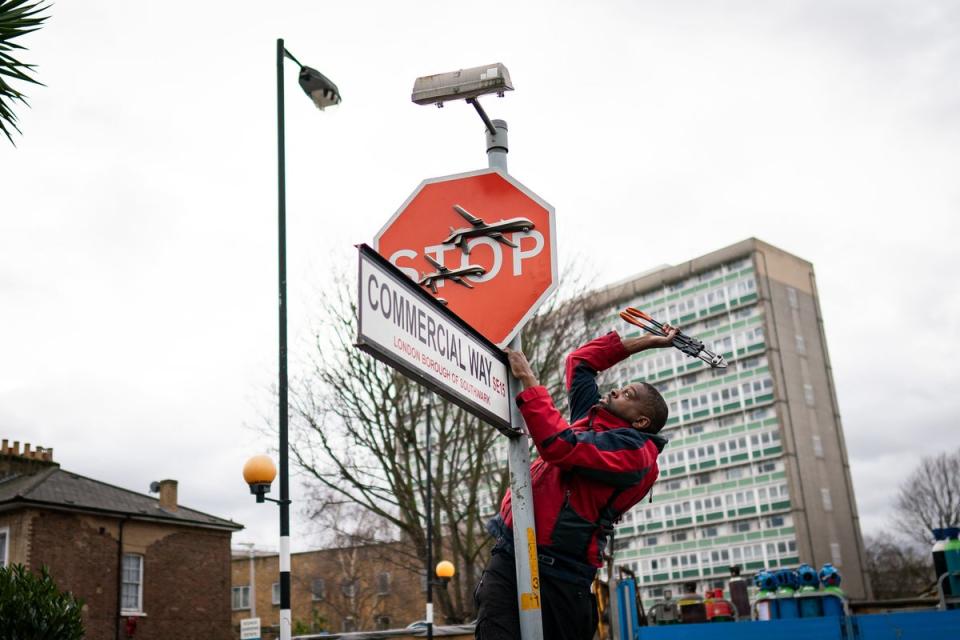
(138,211)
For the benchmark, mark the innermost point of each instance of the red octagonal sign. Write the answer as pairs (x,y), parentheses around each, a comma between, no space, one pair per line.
(482,242)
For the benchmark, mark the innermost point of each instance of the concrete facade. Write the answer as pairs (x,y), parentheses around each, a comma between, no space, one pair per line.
(756,472)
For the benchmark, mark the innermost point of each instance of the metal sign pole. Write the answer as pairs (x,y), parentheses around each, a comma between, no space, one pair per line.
(518,455)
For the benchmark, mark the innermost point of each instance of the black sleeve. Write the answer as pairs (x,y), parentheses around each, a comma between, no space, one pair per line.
(583,392)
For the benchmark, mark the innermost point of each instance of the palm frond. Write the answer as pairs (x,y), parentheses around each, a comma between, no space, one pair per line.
(17,18)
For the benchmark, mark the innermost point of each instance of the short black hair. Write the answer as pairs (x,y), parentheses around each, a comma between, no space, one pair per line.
(655,408)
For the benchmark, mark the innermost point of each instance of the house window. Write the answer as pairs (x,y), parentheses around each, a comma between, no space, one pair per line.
(827,500)
(382,623)
(383,584)
(241,598)
(275,593)
(4,546)
(349,588)
(131,593)
(349,624)
(318,589)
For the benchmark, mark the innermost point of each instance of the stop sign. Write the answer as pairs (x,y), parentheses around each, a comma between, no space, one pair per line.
(482,242)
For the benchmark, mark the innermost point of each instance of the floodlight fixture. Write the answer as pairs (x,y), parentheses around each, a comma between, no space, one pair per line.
(319,87)
(462,84)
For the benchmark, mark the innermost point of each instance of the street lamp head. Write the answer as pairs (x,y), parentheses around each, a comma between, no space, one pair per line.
(319,87)
(445,570)
(259,472)
(462,84)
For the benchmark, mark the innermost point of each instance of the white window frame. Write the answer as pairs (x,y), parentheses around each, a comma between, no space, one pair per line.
(827,499)
(835,554)
(317,597)
(383,586)
(242,589)
(139,608)
(275,593)
(5,546)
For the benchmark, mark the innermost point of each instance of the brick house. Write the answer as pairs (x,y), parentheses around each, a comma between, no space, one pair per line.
(146,568)
(362,587)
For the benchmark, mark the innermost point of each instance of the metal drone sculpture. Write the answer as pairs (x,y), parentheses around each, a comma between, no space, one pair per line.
(445,273)
(480,229)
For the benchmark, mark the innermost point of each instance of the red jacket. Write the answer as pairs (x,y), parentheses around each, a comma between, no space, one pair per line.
(589,472)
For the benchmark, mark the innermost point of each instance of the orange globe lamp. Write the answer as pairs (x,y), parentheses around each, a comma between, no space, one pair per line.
(445,570)
(259,472)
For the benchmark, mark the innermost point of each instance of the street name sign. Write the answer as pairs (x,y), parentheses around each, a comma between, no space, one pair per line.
(404,326)
(482,242)
(250,629)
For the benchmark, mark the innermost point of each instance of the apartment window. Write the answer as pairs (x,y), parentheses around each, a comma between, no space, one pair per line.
(348,587)
(4,546)
(766,467)
(275,593)
(131,593)
(817,446)
(835,556)
(383,583)
(678,536)
(318,589)
(240,597)
(800,343)
(701,479)
(827,500)
(792,297)
(650,541)
(776,521)
(808,394)
(742,526)
(734,473)
(710,532)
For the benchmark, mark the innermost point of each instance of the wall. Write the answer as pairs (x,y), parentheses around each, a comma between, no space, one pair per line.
(186,572)
(403,604)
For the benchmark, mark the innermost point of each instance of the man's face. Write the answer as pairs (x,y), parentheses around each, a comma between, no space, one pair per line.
(627,403)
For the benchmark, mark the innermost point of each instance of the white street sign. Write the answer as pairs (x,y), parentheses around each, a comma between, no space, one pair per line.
(250,629)
(405,327)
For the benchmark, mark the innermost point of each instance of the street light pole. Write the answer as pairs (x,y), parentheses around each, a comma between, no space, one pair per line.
(324,94)
(285,618)
(429,528)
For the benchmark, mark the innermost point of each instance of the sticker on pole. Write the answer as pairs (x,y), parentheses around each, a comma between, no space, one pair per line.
(402,325)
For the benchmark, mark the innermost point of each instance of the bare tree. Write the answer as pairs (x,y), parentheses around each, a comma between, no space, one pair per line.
(897,569)
(359,436)
(930,497)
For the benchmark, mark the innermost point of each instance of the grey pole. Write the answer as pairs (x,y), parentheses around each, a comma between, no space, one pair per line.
(518,456)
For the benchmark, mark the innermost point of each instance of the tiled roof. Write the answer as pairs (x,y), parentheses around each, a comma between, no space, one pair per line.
(55,487)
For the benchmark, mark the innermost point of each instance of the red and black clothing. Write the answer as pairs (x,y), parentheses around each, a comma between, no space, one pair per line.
(590,471)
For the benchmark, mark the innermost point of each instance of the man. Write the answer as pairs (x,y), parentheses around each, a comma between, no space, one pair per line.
(589,473)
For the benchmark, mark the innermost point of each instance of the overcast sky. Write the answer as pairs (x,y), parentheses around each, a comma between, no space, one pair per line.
(138,210)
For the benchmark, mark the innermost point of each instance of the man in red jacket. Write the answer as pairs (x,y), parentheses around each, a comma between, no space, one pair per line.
(590,471)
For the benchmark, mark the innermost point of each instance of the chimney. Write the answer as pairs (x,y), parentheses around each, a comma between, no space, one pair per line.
(26,462)
(168,495)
